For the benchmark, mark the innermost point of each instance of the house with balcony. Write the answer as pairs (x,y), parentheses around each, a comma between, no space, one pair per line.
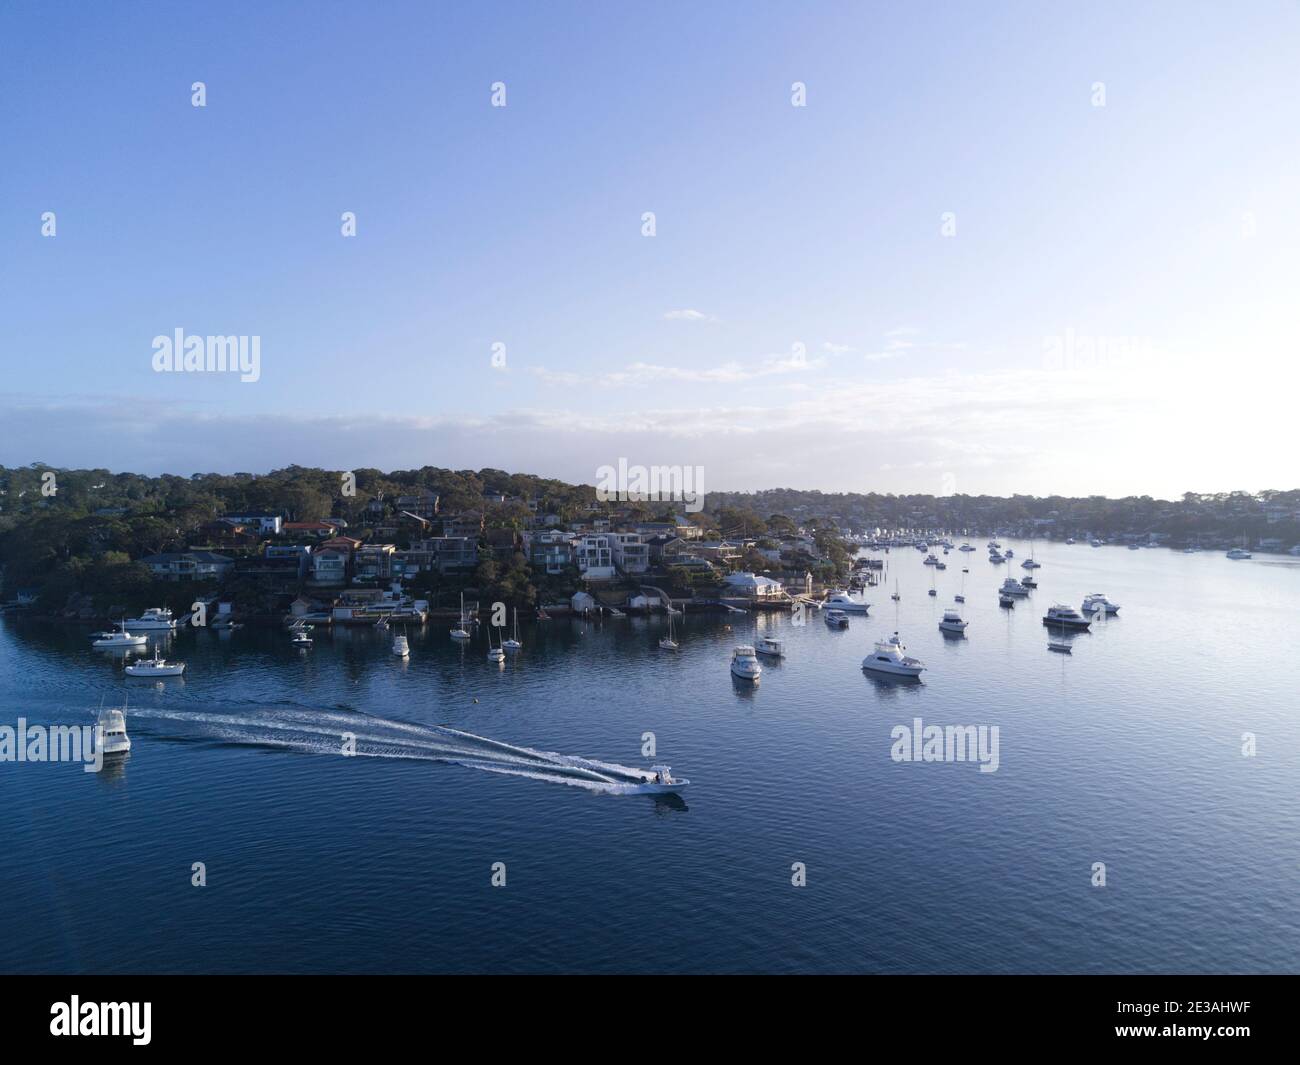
(594,557)
(189,565)
(468,524)
(422,503)
(264,521)
(630,552)
(441,554)
(753,586)
(548,550)
(373,562)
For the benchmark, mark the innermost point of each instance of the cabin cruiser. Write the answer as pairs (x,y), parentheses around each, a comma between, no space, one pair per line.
(930,560)
(836,619)
(156,618)
(996,558)
(1013,587)
(1096,543)
(1238,553)
(1096,602)
(744,663)
(890,656)
(1028,581)
(155,667)
(965,547)
(1065,617)
(844,601)
(120,639)
(770,645)
(952,622)
(111,727)
(662,781)
(401,647)
(1005,600)
(1029,563)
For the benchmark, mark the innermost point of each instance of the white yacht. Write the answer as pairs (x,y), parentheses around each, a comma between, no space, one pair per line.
(157,666)
(744,663)
(401,648)
(1096,602)
(460,632)
(301,639)
(770,645)
(1013,587)
(1065,617)
(1238,553)
(668,643)
(155,619)
(890,656)
(836,619)
(662,781)
(513,643)
(844,601)
(111,729)
(1096,543)
(952,622)
(121,638)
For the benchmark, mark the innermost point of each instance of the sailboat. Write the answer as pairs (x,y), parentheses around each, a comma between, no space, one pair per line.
(495,654)
(513,644)
(895,597)
(460,632)
(667,643)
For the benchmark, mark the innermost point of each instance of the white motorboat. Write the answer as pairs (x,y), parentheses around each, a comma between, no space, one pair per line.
(952,622)
(1238,553)
(842,600)
(121,638)
(744,663)
(513,643)
(965,547)
(1065,617)
(1013,587)
(836,619)
(1096,543)
(890,656)
(301,639)
(1095,602)
(1028,581)
(401,648)
(930,560)
(111,729)
(460,632)
(155,619)
(662,782)
(770,645)
(157,666)
(1029,563)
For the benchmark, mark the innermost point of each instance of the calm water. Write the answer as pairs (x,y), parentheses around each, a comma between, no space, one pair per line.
(1126,752)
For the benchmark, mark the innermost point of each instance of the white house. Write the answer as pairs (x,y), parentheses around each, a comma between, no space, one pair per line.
(265,521)
(594,557)
(753,586)
(630,552)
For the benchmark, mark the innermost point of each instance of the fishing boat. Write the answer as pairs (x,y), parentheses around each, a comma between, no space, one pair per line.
(121,638)
(111,729)
(771,646)
(662,782)
(461,632)
(155,667)
(842,600)
(744,663)
(890,656)
(513,643)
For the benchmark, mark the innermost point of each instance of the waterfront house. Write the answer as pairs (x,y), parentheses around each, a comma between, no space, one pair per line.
(329,566)
(753,586)
(265,521)
(189,565)
(630,553)
(373,562)
(549,550)
(594,557)
(441,554)
(421,503)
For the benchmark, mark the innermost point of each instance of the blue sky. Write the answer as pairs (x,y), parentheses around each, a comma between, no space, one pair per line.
(1162,226)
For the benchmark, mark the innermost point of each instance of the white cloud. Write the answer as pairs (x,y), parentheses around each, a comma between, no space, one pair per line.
(688,314)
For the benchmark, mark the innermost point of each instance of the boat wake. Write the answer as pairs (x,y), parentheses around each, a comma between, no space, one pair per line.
(311,731)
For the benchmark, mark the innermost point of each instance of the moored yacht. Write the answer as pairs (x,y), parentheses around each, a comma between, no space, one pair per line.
(836,619)
(890,656)
(1013,587)
(1065,617)
(1238,553)
(1096,602)
(744,663)
(952,622)
(842,600)
(156,618)
(668,643)
(401,648)
(155,667)
(770,645)
(1028,581)
(996,558)
(1029,563)
(965,547)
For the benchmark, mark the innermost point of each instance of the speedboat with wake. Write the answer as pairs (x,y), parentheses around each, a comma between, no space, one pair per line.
(111,727)
(890,656)
(662,781)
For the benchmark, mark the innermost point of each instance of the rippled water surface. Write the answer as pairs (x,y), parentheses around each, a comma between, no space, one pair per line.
(1127,752)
